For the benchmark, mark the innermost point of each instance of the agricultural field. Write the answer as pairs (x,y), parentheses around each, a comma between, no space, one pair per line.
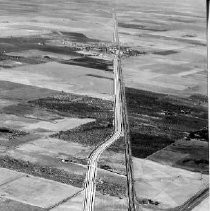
(57,99)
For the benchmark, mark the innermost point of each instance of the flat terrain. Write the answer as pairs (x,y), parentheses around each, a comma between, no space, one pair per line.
(191,155)
(56,98)
(163,187)
(204,205)
(174,39)
(173,35)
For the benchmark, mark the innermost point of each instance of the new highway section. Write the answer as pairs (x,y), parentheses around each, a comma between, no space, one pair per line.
(90,181)
(121,130)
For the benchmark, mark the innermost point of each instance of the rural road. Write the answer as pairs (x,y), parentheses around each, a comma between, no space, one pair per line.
(195,200)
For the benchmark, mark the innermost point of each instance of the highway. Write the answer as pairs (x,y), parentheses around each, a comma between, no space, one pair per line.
(120,130)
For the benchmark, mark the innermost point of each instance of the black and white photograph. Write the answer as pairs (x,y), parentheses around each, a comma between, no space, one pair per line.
(104,105)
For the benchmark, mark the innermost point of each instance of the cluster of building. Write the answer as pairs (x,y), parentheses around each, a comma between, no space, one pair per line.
(102,48)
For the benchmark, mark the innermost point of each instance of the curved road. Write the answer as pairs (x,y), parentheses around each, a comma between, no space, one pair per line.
(90,181)
(122,130)
(120,124)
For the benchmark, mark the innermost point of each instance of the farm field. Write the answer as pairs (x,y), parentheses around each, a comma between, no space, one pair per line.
(57,97)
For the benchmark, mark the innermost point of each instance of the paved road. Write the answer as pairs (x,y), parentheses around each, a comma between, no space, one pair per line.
(120,128)
(90,181)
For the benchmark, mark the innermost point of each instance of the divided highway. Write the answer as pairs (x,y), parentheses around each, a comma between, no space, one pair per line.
(121,130)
